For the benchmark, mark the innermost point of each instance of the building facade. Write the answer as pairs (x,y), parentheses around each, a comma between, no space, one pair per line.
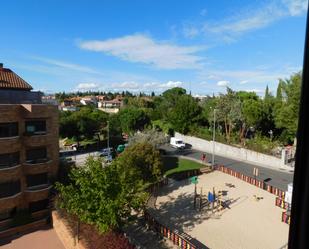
(29,151)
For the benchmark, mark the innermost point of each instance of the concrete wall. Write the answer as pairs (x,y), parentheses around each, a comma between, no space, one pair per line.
(233,152)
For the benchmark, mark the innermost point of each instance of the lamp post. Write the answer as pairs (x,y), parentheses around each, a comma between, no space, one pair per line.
(213,140)
(108,134)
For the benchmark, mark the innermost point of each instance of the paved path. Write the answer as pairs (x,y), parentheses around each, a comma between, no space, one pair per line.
(41,239)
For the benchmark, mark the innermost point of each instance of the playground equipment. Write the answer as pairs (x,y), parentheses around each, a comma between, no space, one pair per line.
(214,201)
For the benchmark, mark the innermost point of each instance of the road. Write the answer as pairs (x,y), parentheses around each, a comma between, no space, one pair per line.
(274,177)
(277,178)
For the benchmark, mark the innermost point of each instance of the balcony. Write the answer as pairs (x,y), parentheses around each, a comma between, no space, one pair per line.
(38,192)
(9,161)
(9,189)
(36,155)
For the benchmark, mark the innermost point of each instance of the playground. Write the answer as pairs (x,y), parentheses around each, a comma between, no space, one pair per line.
(222,212)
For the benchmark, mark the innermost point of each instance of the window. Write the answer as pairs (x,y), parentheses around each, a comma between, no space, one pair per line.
(9,160)
(8,129)
(35,127)
(9,188)
(36,155)
(38,179)
(38,205)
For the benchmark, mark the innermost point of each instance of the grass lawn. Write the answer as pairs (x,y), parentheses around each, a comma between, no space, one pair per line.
(174,165)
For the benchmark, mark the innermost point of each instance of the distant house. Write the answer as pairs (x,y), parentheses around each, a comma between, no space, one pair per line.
(69,108)
(50,99)
(89,100)
(115,103)
(100,98)
(110,106)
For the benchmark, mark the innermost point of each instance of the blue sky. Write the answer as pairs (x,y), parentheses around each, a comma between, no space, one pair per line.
(140,45)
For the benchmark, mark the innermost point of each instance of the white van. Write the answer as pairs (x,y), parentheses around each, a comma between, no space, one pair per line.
(177,143)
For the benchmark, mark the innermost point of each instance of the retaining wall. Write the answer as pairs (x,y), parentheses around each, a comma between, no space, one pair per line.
(65,234)
(233,152)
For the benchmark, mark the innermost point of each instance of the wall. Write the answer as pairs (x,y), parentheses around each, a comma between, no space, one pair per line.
(64,233)
(233,152)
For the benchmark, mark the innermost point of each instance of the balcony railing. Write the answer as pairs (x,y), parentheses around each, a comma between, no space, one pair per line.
(38,161)
(9,166)
(39,187)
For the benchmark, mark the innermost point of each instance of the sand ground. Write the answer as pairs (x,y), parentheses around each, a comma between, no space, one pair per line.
(248,224)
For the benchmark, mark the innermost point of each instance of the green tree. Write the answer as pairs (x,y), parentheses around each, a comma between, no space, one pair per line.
(144,159)
(133,119)
(103,196)
(288,108)
(229,111)
(184,113)
(81,124)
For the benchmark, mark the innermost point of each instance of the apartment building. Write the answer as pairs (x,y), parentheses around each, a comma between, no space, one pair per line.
(29,151)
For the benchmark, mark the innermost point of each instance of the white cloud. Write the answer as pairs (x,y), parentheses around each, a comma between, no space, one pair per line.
(87,86)
(252,18)
(170,84)
(266,75)
(141,48)
(223,83)
(243,82)
(66,65)
(131,85)
(257,91)
(296,7)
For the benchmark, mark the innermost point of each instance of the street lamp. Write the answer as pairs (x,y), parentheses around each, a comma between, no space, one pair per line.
(108,135)
(213,140)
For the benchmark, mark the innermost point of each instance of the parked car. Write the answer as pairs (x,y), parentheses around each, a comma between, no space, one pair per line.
(177,143)
(106,151)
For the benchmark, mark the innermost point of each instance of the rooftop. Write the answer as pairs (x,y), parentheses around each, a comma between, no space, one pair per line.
(10,80)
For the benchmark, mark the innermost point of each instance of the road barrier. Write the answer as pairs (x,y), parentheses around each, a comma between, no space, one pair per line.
(180,239)
(283,204)
(260,184)
(286,218)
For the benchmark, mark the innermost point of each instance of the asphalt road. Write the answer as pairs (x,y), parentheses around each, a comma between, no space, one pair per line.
(274,177)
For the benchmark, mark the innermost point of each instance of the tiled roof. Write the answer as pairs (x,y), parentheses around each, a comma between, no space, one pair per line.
(10,80)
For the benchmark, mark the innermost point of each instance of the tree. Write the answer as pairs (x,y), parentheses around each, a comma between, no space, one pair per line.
(152,137)
(83,123)
(229,111)
(103,196)
(184,113)
(133,119)
(287,107)
(144,159)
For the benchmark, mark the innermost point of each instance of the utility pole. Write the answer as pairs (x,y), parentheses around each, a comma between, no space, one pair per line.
(108,134)
(213,140)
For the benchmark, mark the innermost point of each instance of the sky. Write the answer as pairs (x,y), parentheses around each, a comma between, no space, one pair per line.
(153,45)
